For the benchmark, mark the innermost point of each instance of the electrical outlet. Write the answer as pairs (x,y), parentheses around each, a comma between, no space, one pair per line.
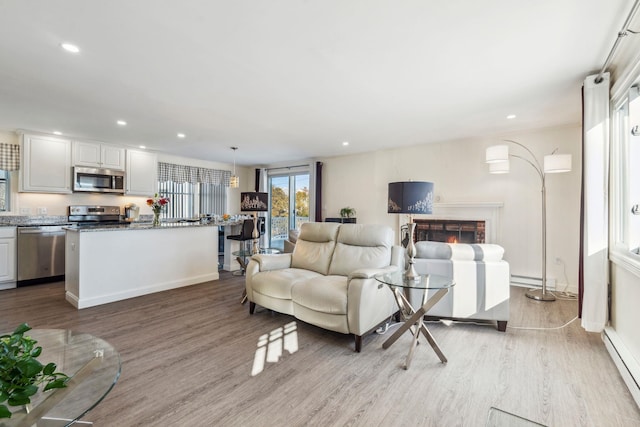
(42,211)
(25,211)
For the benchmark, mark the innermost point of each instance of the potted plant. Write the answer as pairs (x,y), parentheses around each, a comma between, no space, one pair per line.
(347,212)
(21,374)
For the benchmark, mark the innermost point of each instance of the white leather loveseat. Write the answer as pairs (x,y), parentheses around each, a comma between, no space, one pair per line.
(481,275)
(327,280)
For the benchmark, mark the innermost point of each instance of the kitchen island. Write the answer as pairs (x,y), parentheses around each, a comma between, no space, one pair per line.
(112,263)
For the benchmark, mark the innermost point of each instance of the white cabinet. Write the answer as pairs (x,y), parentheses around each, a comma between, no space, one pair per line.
(142,173)
(45,164)
(7,257)
(96,155)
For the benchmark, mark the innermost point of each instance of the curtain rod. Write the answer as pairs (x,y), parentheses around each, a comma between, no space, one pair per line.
(622,33)
(296,166)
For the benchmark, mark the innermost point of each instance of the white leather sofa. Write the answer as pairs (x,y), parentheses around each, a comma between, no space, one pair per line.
(327,280)
(481,275)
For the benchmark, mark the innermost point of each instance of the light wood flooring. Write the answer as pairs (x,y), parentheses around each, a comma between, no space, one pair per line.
(188,355)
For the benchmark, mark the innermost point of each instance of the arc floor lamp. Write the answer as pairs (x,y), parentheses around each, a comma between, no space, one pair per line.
(497,157)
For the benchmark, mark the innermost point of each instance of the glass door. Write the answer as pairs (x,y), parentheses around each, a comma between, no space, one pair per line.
(289,196)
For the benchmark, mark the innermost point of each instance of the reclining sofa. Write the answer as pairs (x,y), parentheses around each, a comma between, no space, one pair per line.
(327,280)
(481,275)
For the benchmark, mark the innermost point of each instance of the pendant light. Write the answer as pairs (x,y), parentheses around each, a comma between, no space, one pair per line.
(234,182)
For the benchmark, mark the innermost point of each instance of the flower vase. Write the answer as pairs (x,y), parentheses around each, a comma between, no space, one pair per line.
(156,219)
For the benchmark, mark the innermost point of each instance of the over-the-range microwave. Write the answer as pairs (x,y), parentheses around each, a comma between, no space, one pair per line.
(97,180)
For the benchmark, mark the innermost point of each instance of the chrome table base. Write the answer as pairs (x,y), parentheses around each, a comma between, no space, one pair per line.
(414,321)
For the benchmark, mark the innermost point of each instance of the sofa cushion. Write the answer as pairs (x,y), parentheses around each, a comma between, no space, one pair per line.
(326,294)
(459,251)
(315,246)
(278,283)
(361,246)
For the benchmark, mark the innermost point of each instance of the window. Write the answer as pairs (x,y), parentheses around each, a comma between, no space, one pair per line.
(5,191)
(625,176)
(190,200)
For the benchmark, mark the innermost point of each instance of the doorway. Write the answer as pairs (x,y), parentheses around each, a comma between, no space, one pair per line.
(289,197)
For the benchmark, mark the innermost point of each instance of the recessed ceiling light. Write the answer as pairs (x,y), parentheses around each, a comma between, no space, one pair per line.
(143,146)
(181,135)
(57,132)
(511,116)
(345,143)
(70,47)
(121,122)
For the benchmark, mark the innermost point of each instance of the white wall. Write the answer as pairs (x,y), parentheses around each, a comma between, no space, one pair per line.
(460,175)
(56,204)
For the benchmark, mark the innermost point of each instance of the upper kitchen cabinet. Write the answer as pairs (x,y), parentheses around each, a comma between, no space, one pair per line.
(45,165)
(142,173)
(96,155)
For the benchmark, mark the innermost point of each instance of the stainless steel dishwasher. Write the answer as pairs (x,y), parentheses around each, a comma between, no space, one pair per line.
(40,253)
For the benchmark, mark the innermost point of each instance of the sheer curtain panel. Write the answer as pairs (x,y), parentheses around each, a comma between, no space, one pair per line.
(595,218)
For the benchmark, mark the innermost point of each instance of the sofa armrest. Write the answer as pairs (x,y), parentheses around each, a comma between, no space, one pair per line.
(368,273)
(368,303)
(272,262)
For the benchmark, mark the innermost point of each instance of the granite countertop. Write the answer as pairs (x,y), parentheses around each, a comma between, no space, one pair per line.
(63,220)
(148,226)
(32,221)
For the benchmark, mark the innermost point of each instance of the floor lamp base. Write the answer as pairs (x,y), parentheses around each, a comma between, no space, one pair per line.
(537,295)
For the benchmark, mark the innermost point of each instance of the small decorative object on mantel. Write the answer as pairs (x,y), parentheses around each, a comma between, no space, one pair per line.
(157,204)
(22,374)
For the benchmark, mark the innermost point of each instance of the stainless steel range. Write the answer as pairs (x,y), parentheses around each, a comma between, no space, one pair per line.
(92,215)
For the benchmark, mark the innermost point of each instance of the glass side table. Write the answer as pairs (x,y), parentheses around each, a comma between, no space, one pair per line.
(93,366)
(415,293)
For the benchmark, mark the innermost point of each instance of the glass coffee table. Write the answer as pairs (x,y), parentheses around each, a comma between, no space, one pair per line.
(93,366)
(415,293)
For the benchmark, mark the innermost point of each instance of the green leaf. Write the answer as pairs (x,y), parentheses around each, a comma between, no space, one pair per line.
(18,400)
(22,329)
(49,369)
(59,383)
(29,367)
(36,352)
(4,412)
(29,390)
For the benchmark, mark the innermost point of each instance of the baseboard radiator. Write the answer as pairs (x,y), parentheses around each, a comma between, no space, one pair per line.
(628,367)
(532,282)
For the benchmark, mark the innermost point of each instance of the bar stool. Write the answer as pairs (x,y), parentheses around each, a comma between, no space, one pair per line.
(245,238)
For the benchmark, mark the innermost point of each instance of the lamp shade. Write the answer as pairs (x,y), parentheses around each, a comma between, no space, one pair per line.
(557,163)
(254,202)
(410,197)
(499,167)
(497,153)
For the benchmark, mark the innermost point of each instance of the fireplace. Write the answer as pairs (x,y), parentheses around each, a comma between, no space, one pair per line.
(450,230)
(461,220)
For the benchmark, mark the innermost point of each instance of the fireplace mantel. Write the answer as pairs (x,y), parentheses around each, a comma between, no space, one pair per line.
(490,212)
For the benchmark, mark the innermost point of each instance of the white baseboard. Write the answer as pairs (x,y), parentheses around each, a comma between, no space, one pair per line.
(536,282)
(627,365)
(80,303)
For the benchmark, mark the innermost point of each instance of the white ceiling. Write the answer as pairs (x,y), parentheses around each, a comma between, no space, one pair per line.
(292,79)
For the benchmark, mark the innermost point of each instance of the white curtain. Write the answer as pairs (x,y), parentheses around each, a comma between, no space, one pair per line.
(262,187)
(595,170)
